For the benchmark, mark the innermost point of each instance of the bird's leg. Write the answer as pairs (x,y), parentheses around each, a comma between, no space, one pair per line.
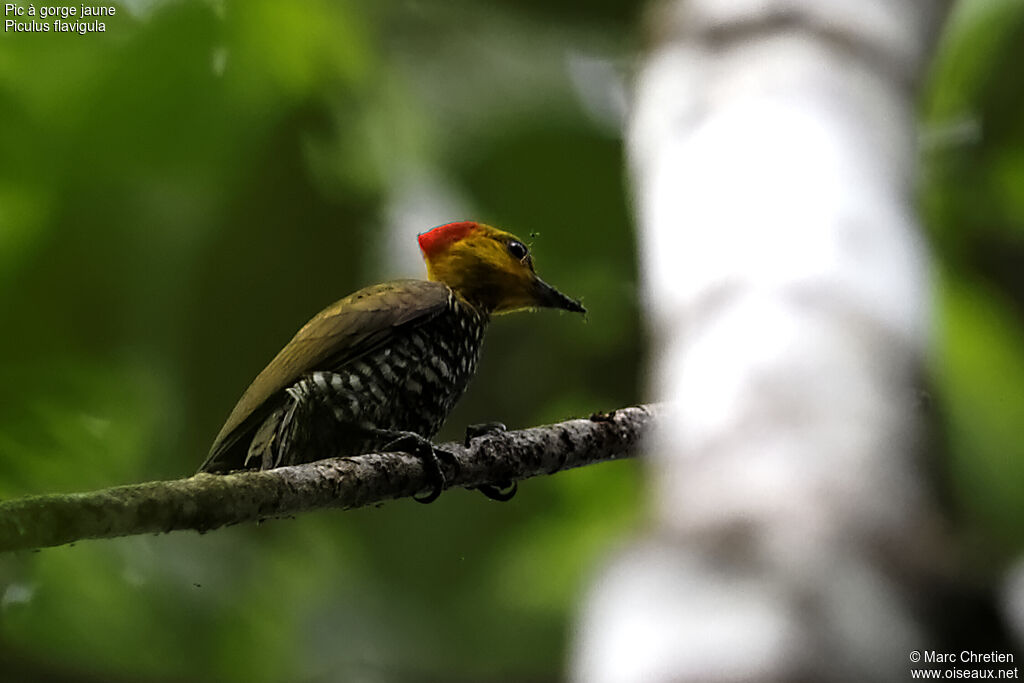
(422,448)
(502,491)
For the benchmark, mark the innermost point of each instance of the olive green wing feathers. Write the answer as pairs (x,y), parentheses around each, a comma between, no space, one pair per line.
(339,334)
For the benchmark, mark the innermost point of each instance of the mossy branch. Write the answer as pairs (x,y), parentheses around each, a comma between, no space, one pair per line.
(207,501)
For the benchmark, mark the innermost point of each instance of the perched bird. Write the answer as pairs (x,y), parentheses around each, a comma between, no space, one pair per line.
(382,368)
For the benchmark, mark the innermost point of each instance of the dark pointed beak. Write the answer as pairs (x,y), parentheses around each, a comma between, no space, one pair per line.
(549,297)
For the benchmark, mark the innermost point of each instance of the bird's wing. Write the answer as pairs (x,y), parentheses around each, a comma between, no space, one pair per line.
(339,334)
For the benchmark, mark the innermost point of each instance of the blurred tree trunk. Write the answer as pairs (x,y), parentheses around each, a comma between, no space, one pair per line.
(772,149)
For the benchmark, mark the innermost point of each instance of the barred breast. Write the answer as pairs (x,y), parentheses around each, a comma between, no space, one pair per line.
(409,383)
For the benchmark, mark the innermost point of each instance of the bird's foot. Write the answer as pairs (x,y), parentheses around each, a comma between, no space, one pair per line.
(503,491)
(431,455)
(483,429)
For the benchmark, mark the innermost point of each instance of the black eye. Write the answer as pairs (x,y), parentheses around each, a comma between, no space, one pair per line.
(517,249)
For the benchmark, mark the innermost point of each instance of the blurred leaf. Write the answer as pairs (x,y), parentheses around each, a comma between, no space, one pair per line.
(974,206)
(974,135)
(980,368)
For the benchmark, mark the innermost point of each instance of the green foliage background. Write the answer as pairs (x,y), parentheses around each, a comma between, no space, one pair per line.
(180,193)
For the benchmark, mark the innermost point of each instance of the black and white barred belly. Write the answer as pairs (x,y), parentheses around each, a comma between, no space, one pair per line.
(409,383)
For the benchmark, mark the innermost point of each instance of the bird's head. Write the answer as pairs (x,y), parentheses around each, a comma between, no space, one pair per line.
(488,268)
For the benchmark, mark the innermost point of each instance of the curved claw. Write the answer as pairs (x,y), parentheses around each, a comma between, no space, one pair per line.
(449,458)
(434,471)
(436,475)
(500,493)
(432,496)
(429,454)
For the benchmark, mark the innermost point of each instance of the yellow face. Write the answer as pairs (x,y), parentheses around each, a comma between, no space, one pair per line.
(489,268)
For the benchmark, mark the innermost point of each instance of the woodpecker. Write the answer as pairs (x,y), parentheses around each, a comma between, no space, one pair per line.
(382,368)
